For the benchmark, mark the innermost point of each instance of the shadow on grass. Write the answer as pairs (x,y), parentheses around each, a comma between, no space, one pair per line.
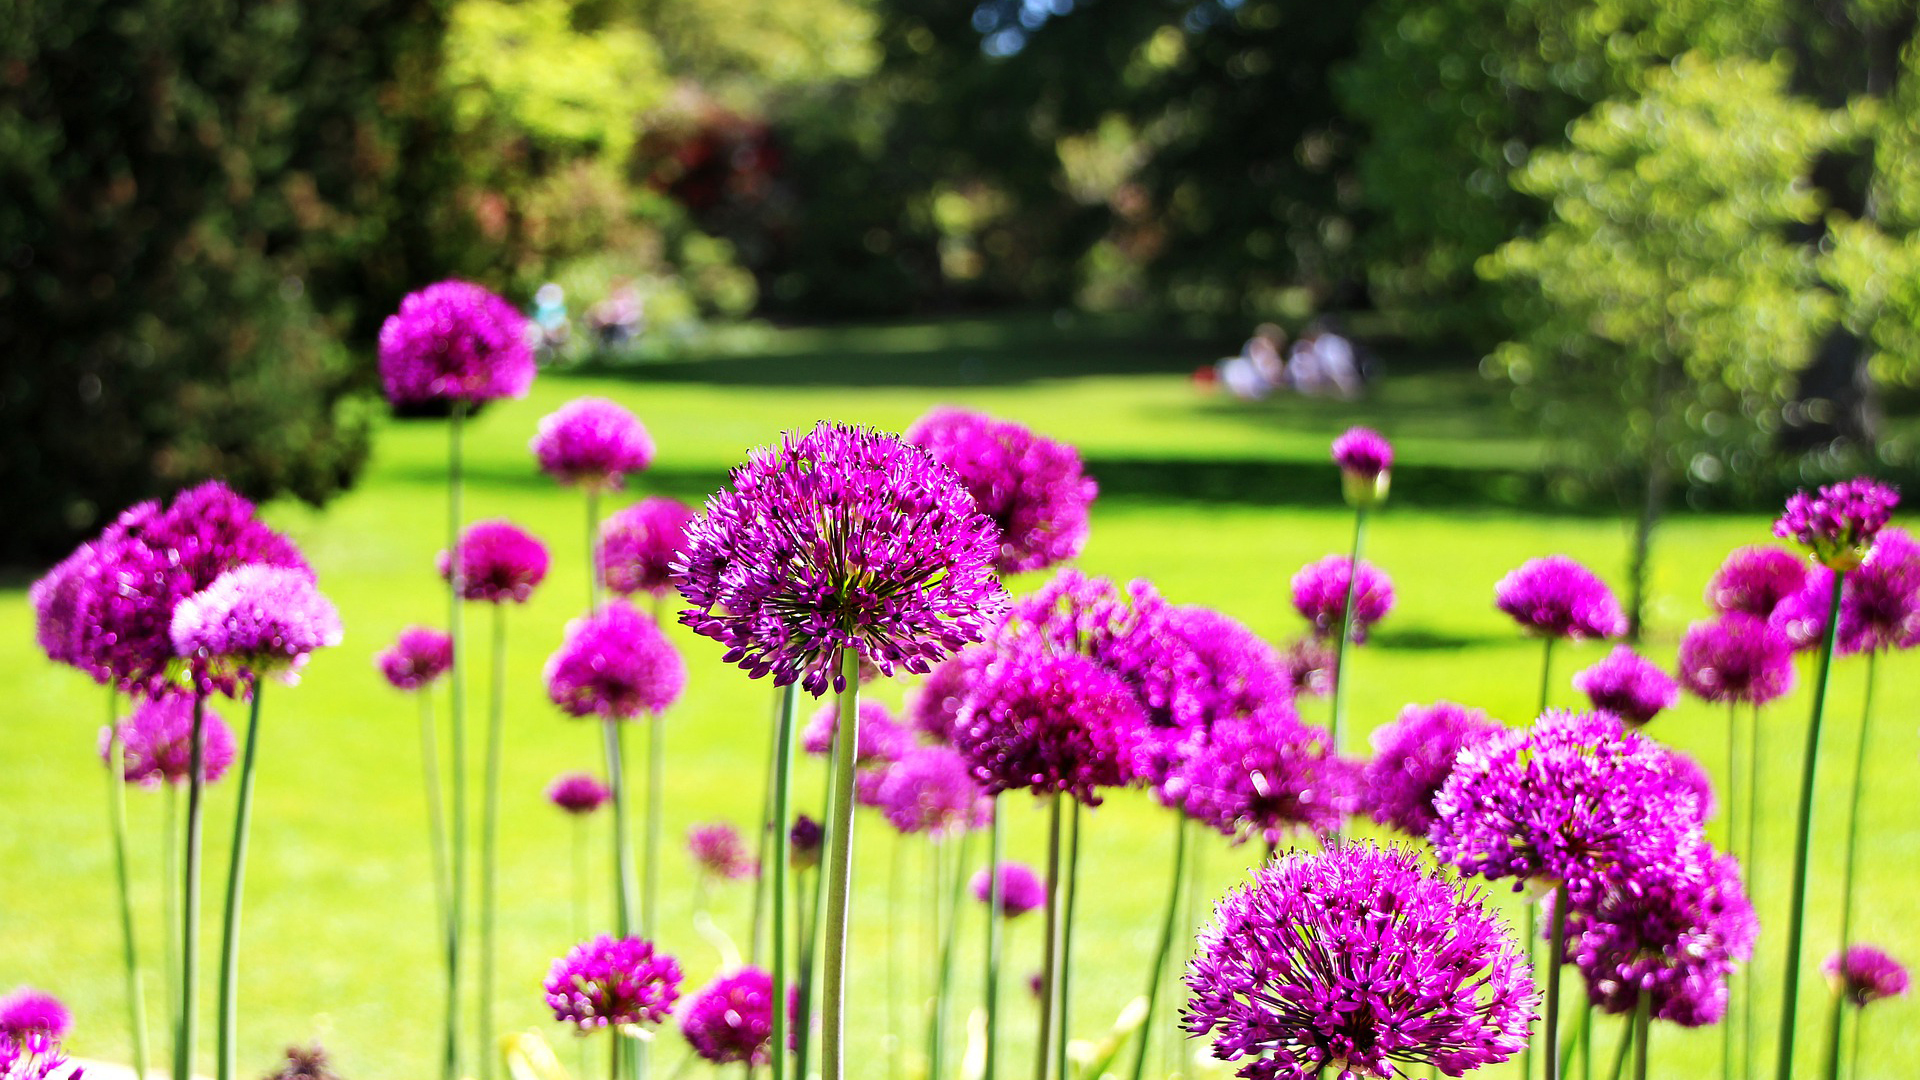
(1268,482)
(1433,641)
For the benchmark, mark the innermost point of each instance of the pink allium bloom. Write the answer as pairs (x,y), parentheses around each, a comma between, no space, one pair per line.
(1360,962)
(1239,674)
(805,841)
(1629,686)
(1879,601)
(930,790)
(638,545)
(455,342)
(1736,658)
(1263,777)
(720,853)
(1839,524)
(1557,597)
(1032,487)
(840,539)
(612,982)
(578,793)
(418,657)
(615,664)
(499,561)
(730,1020)
(881,739)
(592,442)
(1413,756)
(1864,975)
(1366,460)
(1310,667)
(258,619)
(28,1011)
(933,709)
(1320,594)
(1755,579)
(1050,723)
(34,1056)
(1021,890)
(1689,775)
(157,742)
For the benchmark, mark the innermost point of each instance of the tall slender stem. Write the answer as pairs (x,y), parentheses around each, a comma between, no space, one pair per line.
(170,903)
(229,1018)
(1339,704)
(1853,806)
(190,893)
(1642,1033)
(1790,970)
(953,887)
(1586,1039)
(1546,675)
(1064,972)
(1751,864)
(1160,952)
(1527,936)
(1836,1018)
(767,827)
(807,902)
(436,812)
(456,719)
(1853,1044)
(840,872)
(996,932)
(1732,818)
(623,882)
(1620,1054)
(1556,948)
(1044,1046)
(490,844)
(129,948)
(593,549)
(896,869)
(782,844)
(656,787)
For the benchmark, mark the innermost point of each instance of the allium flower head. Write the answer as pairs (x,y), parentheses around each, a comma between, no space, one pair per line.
(930,790)
(1366,460)
(592,442)
(881,739)
(612,982)
(1046,722)
(59,600)
(1032,487)
(933,709)
(1557,597)
(1755,579)
(157,742)
(805,840)
(720,853)
(1238,673)
(1839,524)
(1357,962)
(418,657)
(1413,756)
(455,341)
(730,1020)
(28,1011)
(1320,594)
(578,793)
(1263,777)
(1310,667)
(1021,890)
(1879,601)
(1629,686)
(1566,801)
(33,1056)
(637,545)
(499,561)
(1691,776)
(256,618)
(838,539)
(1736,658)
(615,664)
(1863,975)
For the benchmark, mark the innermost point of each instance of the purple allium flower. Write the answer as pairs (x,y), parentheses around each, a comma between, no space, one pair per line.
(418,657)
(1357,960)
(592,442)
(1239,674)
(637,545)
(1320,594)
(1628,686)
(1736,658)
(930,790)
(933,709)
(1032,487)
(615,664)
(1565,801)
(33,1057)
(1366,460)
(1413,756)
(1692,776)
(720,853)
(305,1063)
(1050,723)
(730,1020)
(1673,928)
(578,793)
(1310,667)
(840,538)
(157,742)
(60,598)
(1839,524)
(1557,597)
(1864,975)
(1021,890)
(1263,777)
(455,341)
(27,1011)
(805,841)
(1879,601)
(881,739)
(612,982)
(1755,579)
(499,561)
(257,619)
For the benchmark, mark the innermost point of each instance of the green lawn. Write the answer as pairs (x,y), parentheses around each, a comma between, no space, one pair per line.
(1216,502)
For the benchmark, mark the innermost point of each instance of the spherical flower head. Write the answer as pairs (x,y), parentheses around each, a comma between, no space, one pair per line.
(1558,598)
(1693,777)
(1565,801)
(33,1056)
(1736,658)
(499,561)
(612,982)
(1032,487)
(60,598)
(578,793)
(1366,462)
(157,742)
(1673,928)
(1021,890)
(615,664)
(593,443)
(930,790)
(257,619)
(1051,723)
(1413,756)
(932,709)
(1263,777)
(1357,962)
(638,544)
(28,1011)
(804,842)
(1239,674)
(1755,579)
(720,853)
(881,738)
(417,658)
(1879,601)
(840,539)
(1839,524)
(455,341)
(730,1020)
(1629,686)
(1863,975)
(1309,667)
(1320,594)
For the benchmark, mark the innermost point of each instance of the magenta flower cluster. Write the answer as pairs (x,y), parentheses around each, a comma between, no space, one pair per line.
(612,982)
(1879,601)
(34,1056)
(1736,658)
(881,738)
(578,793)
(730,1020)
(455,341)
(1363,452)
(639,543)
(592,442)
(1753,580)
(930,789)
(1865,974)
(1556,597)
(1265,777)
(615,664)
(1051,723)
(257,619)
(1413,756)
(1021,890)
(933,708)
(720,853)
(1320,594)
(417,658)
(157,742)
(1838,525)
(1032,487)
(1629,686)
(27,1011)
(499,562)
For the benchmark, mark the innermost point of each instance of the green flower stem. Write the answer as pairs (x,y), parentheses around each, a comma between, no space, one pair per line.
(1642,1034)
(457,711)
(1157,974)
(1790,970)
(840,873)
(807,900)
(656,797)
(581,918)
(1620,1054)
(896,871)
(1733,837)
(593,549)
(767,827)
(1750,861)
(490,846)
(229,1018)
(1836,1019)
(129,948)
(1546,676)
(1527,936)
(1339,703)
(170,902)
(782,843)
(954,886)
(1065,970)
(1853,806)
(996,932)
(623,878)
(436,813)
(1556,948)
(190,893)
(1044,1045)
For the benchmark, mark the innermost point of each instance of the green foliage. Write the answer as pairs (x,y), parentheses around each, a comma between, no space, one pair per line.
(1874,262)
